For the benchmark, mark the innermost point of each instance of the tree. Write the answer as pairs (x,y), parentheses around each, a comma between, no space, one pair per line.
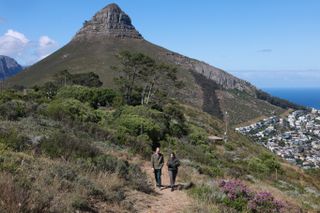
(88,79)
(162,73)
(135,68)
(140,74)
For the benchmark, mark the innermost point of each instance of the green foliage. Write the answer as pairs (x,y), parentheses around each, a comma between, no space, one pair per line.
(240,203)
(8,95)
(177,126)
(89,79)
(142,145)
(229,146)
(62,109)
(256,165)
(207,194)
(81,204)
(270,161)
(140,120)
(13,109)
(12,140)
(141,77)
(132,173)
(134,67)
(197,135)
(211,171)
(8,163)
(61,144)
(49,90)
(94,96)
(264,164)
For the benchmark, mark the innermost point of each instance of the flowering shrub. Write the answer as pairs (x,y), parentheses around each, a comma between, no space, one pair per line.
(237,193)
(240,197)
(265,202)
(235,189)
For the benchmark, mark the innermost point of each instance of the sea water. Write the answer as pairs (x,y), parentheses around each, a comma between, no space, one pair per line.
(309,97)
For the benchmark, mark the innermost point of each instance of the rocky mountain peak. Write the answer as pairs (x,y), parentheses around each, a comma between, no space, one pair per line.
(8,67)
(110,22)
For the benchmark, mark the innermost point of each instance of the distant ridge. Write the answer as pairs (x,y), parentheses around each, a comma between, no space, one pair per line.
(8,67)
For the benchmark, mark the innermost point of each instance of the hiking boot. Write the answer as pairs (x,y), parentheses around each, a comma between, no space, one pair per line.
(172,189)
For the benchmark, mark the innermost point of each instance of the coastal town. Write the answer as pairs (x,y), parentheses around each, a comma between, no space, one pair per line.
(295,137)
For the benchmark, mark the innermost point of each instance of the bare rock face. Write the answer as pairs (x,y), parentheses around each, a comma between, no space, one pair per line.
(222,78)
(8,67)
(110,22)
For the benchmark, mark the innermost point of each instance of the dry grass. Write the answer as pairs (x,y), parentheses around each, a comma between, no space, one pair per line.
(12,197)
(200,207)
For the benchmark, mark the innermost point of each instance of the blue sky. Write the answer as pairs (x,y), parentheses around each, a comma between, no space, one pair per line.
(271,43)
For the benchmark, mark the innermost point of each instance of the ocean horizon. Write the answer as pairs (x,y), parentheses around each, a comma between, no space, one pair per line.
(309,97)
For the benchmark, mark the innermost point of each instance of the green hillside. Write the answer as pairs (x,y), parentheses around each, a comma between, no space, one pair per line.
(71,147)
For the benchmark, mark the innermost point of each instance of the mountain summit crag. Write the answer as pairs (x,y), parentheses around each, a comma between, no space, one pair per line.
(110,22)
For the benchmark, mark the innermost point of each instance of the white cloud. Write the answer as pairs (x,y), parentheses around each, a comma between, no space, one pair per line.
(13,43)
(16,45)
(46,46)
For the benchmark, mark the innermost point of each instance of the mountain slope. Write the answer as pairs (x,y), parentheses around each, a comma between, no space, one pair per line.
(94,49)
(8,67)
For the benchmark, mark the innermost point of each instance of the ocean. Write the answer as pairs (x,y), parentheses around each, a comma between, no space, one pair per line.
(309,97)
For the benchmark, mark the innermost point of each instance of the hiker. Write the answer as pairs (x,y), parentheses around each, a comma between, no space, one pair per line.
(157,164)
(173,164)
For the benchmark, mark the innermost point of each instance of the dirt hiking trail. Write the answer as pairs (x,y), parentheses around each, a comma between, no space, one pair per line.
(165,201)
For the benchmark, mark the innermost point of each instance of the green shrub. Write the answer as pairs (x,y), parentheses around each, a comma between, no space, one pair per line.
(229,146)
(240,204)
(73,109)
(197,135)
(211,171)
(12,140)
(270,161)
(81,204)
(64,172)
(94,96)
(89,79)
(14,109)
(131,173)
(61,144)
(8,95)
(177,126)
(207,194)
(108,163)
(264,164)
(48,90)
(256,165)
(140,120)
(138,180)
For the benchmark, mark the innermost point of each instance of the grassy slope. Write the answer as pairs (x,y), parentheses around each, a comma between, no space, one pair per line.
(242,107)
(77,57)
